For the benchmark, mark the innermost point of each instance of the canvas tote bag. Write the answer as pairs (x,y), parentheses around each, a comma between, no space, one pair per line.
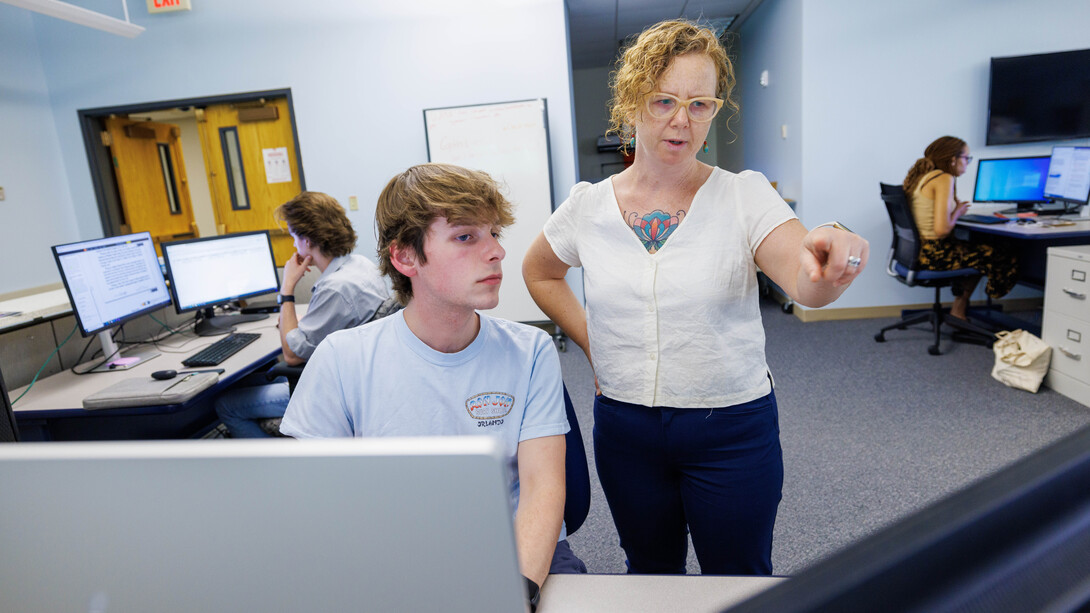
(1021,359)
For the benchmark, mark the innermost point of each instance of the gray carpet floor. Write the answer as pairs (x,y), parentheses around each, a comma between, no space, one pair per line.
(870,431)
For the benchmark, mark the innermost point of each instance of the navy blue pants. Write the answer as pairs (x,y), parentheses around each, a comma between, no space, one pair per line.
(715,472)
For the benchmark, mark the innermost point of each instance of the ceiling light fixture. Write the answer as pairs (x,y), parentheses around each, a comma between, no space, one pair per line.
(82,16)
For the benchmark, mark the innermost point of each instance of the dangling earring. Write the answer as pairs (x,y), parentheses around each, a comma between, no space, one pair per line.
(632,141)
(705,146)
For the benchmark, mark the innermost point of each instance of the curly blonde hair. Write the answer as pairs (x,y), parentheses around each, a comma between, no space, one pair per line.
(645,60)
(414,198)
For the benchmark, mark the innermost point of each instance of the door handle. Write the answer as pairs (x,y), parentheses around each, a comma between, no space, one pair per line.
(1074,294)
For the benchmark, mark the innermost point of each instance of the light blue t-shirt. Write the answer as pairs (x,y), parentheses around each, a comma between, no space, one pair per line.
(379,379)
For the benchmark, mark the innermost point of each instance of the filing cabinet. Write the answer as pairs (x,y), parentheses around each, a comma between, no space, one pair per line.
(1066,323)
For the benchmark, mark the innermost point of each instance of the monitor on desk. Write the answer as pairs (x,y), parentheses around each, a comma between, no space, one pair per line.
(111,281)
(332,525)
(1069,175)
(1018,540)
(1019,181)
(217,271)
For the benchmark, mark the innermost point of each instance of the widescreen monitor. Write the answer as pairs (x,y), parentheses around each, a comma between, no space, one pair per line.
(109,282)
(216,271)
(1039,97)
(331,525)
(1069,175)
(1018,540)
(1019,181)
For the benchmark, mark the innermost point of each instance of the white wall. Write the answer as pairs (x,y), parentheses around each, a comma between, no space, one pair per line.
(37,210)
(360,74)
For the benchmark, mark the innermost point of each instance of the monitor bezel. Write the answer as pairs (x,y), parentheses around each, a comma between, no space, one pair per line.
(1065,199)
(72,300)
(976,181)
(173,287)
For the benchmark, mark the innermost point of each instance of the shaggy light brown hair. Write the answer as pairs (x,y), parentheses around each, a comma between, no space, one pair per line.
(320,219)
(413,199)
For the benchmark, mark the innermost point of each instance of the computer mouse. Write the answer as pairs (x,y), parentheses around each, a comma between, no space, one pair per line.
(164,374)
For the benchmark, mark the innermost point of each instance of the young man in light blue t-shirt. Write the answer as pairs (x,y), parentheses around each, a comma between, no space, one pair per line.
(440,368)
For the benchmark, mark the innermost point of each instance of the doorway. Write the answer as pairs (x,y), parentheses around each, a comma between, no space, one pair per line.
(195,167)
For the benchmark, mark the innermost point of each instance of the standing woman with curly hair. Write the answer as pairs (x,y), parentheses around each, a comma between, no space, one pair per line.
(686,432)
(931,186)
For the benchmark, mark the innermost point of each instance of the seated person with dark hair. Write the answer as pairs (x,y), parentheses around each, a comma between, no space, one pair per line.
(350,292)
(440,368)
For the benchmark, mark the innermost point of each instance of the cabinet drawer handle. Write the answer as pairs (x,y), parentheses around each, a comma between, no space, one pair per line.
(1074,294)
(1070,354)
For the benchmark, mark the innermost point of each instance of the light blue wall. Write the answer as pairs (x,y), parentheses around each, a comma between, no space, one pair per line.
(361,74)
(37,210)
(880,80)
(771,39)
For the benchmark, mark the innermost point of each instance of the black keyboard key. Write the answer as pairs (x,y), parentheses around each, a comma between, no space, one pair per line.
(221,349)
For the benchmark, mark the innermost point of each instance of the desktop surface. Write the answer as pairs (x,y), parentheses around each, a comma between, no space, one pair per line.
(62,394)
(648,593)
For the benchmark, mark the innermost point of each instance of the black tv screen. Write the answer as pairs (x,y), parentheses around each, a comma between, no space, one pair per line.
(1039,97)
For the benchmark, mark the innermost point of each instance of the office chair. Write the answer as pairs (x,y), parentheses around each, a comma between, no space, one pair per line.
(577,503)
(9,430)
(904,265)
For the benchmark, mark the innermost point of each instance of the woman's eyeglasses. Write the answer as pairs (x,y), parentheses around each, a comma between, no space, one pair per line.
(664,106)
(967,158)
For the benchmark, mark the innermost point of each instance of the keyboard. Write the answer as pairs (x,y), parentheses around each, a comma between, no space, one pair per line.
(982,218)
(221,349)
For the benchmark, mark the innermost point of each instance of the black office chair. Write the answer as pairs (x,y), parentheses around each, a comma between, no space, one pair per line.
(9,431)
(577,503)
(904,265)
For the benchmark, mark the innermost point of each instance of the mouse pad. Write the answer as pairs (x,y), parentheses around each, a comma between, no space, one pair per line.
(145,391)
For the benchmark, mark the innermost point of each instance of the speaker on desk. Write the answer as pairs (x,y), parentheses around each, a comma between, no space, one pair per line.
(9,432)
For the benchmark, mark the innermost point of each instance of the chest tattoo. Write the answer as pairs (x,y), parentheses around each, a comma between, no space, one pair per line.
(653,228)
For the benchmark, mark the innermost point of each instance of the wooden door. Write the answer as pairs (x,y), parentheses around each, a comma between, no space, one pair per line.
(151,178)
(249,154)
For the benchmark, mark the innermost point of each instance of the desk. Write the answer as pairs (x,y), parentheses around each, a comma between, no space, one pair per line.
(648,593)
(53,408)
(1030,240)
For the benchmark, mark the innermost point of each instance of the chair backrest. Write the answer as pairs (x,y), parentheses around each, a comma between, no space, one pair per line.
(577,503)
(9,431)
(905,249)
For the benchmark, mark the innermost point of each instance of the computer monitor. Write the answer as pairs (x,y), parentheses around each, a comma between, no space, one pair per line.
(1018,540)
(208,272)
(111,281)
(1069,175)
(9,430)
(332,525)
(1019,181)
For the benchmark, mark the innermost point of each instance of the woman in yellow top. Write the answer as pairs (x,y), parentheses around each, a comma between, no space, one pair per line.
(931,185)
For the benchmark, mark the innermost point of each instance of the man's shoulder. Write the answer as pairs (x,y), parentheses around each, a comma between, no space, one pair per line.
(363,334)
(515,333)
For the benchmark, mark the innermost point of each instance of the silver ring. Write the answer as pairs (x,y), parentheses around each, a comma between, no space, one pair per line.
(854,261)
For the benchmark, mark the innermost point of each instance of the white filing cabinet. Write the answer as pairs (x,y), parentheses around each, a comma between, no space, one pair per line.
(1066,323)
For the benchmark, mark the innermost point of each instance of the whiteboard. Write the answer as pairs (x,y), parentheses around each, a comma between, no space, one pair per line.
(509,141)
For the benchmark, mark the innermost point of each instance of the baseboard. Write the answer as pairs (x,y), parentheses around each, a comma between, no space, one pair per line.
(833,314)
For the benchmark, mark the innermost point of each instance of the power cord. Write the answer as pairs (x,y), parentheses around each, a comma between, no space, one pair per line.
(46,363)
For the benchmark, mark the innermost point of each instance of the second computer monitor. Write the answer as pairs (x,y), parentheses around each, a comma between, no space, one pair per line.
(1019,181)
(208,272)
(1069,175)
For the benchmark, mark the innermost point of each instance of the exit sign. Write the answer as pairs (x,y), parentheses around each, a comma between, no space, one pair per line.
(166,6)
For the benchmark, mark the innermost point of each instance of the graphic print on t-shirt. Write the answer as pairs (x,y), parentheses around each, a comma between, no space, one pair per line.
(489,407)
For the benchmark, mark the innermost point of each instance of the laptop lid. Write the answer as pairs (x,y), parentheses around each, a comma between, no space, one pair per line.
(420,524)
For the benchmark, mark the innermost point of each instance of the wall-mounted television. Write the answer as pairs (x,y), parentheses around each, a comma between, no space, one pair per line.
(1039,97)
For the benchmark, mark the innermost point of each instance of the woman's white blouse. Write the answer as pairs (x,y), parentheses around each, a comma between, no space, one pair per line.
(680,327)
